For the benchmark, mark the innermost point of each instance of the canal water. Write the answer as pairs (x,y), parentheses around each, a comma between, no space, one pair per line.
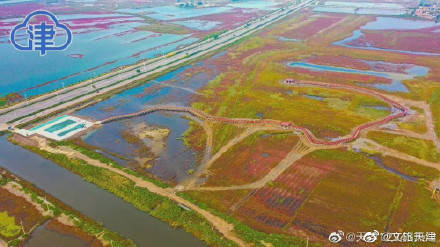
(98,204)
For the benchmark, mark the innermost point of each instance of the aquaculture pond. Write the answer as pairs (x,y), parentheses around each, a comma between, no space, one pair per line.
(172,12)
(386,24)
(396,77)
(96,48)
(96,203)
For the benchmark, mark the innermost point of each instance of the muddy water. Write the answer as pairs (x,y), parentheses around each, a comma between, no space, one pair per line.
(172,164)
(175,88)
(96,203)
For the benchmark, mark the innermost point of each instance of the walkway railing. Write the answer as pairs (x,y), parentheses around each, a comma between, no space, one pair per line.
(402,111)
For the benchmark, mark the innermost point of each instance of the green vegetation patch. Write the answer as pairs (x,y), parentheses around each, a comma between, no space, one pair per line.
(3,102)
(195,138)
(417,212)
(411,169)
(104,159)
(223,133)
(141,198)
(254,90)
(8,228)
(52,206)
(423,149)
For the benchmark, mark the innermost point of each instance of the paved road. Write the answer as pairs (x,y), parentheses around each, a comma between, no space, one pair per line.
(67,97)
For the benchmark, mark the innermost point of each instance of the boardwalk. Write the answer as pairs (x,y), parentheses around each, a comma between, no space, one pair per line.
(401,111)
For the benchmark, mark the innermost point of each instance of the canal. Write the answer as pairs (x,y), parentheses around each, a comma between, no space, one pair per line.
(94,202)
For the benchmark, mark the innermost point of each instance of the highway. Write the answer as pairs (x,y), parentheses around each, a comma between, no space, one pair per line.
(87,90)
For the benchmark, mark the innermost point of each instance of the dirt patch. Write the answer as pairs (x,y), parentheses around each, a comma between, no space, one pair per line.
(24,140)
(3,243)
(156,137)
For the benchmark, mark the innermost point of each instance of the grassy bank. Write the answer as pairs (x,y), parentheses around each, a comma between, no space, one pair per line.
(104,159)
(422,149)
(53,209)
(141,198)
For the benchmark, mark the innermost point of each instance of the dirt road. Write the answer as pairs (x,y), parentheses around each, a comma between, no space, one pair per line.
(299,151)
(221,225)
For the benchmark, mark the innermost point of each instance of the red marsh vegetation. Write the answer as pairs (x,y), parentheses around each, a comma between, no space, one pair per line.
(422,40)
(252,159)
(274,206)
(313,27)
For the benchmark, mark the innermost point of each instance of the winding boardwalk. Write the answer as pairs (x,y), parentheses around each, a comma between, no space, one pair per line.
(307,144)
(400,111)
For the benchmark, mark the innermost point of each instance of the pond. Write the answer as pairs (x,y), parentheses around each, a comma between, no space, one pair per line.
(396,77)
(386,24)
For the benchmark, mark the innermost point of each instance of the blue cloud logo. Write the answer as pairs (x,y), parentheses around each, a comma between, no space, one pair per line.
(41,36)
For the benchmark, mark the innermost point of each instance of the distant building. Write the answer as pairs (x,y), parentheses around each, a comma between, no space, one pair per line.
(429,10)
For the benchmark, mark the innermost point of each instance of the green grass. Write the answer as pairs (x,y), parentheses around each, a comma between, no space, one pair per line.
(223,133)
(195,136)
(419,148)
(417,212)
(411,169)
(104,159)
(51,204)
(256,89)
(3,102)
(141,198)
(8,228)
